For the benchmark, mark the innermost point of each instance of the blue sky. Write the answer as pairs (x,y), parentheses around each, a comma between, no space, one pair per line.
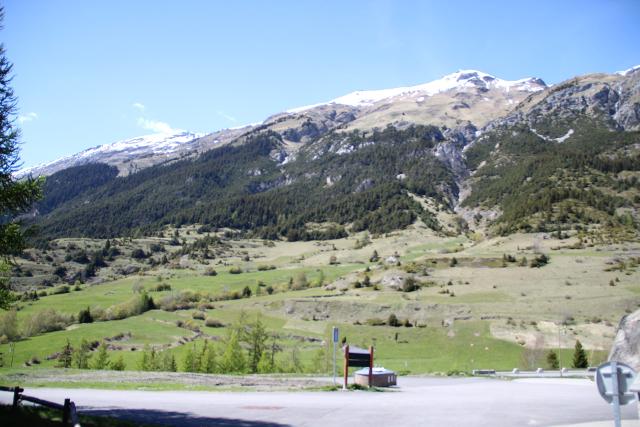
(94,72)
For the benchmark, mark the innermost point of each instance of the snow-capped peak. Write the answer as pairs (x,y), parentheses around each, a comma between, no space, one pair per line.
(459,80)
(628,71)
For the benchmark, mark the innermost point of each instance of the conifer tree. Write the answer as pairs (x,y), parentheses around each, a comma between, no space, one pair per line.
(191,362)
(256,338)
(66,356)
(81,355)
(118,364)
(15,196)
(580,360)
(169,362)
(233,359)
(208,361)
(101,360)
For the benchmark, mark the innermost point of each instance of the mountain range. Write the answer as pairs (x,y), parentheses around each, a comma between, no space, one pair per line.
(469,150)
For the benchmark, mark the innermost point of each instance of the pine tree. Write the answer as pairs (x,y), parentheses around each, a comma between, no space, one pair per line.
(168,362)
(296,363)
(118,365)
(266,365)
(208,364)
(233,360)
(256,339)
(148,360)
(190,363)
(81,355)
(580,360)
(101,360)
(15,196)
(66,356)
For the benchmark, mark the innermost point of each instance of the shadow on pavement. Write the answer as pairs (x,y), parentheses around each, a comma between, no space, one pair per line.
(182,419)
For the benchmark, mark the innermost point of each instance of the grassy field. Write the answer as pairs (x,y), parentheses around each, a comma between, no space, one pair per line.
(472,313)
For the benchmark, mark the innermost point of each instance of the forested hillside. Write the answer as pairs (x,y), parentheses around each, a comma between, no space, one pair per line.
(565,157)
(244,187)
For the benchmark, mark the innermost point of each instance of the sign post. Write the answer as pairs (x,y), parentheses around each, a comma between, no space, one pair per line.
(346,366)
(354,356)
(614,380)
(336,335)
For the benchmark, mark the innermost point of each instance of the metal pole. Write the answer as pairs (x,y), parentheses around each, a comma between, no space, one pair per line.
(334,362)
(559,350)
(616,396)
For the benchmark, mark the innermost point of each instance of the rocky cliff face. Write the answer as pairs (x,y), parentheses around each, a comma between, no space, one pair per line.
(626,346)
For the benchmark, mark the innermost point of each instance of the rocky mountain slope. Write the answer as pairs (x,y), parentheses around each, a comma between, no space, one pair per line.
(465,97)
(508,155)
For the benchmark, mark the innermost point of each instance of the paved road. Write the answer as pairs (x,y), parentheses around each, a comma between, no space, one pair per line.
(418,402)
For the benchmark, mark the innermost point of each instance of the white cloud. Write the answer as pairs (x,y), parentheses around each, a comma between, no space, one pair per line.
(226,116)
(157,126)
(24,118)
(138,106)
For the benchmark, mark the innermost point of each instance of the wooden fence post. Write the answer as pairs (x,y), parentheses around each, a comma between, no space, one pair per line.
(65,411)
(346,366)
(16,396)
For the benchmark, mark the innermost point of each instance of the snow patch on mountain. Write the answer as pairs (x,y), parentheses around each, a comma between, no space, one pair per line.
(628,71)
(461,80)
(160,143)
(559,140)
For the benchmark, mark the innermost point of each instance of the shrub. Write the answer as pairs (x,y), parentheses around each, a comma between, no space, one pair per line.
(235,270)
(410,284)
(300,282)
(64,289)
(266,267)
(182,301)
(269,289)
(375,322)
(47,320)
(118,365)
(246,292)
(84,316)
(133,307)
(200,315)
(213,323)
(162,287)
(552,360)
(9,325)
(539,261)
(210,272)
(393,320)
(138,254)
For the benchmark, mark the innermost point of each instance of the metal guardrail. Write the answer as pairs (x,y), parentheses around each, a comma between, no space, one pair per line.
(538,373)
(69,412)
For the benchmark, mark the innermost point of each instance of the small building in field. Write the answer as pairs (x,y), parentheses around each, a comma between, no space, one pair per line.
(381,377)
